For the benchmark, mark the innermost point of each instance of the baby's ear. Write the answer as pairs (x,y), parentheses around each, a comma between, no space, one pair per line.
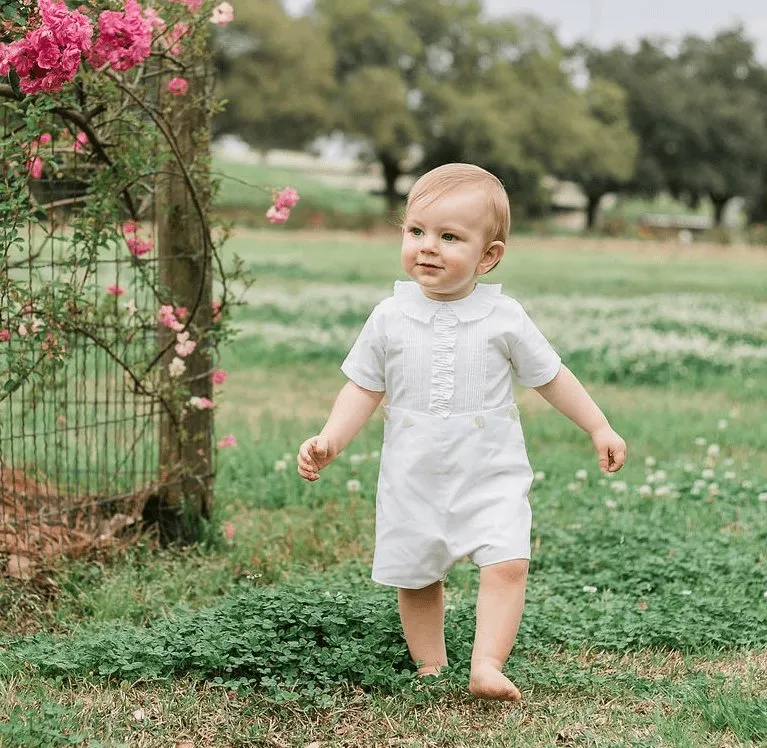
(493,255)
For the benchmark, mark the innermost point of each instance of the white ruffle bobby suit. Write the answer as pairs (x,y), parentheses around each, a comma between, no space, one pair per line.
(454,476)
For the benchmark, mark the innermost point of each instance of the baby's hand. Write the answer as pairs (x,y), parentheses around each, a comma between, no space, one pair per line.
(315,454)
(611,449)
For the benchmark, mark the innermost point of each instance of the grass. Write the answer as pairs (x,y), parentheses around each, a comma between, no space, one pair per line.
(246,193)
(146,648)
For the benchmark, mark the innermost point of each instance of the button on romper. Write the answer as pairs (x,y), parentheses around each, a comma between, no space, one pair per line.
(454,476)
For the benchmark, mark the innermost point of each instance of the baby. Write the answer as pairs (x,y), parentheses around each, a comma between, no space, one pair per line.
(454,476)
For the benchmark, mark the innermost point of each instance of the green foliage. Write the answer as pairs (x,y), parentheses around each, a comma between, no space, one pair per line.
(690,155)
(276,74)
(292,642)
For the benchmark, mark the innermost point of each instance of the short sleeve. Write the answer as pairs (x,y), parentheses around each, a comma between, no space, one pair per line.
(533,359)
(365,364)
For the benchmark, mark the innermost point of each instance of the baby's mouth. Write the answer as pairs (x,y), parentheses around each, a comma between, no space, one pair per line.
(429,265)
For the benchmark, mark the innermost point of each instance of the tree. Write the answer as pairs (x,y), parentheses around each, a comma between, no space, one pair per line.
(386,51)
(276,72)
(604,146)
(698,112)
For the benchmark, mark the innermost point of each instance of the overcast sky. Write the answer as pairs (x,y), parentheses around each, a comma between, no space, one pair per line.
(611,21)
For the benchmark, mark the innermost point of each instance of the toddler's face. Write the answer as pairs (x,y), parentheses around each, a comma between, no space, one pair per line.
(445,244)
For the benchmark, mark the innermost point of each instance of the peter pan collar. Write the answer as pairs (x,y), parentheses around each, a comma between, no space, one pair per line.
(412,302)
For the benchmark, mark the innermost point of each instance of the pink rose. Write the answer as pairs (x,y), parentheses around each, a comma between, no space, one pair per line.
(219,376)
(278,215)
(201,403)
(50,55)
(178,32)
(178,86)
(115,290)
(80,141)
(5,336)
(45,138)
(138,247)
(215,307)
(35,167)
(222,15)
(125,38)
(286,198)
(130,227)
(167,318)
(228,441)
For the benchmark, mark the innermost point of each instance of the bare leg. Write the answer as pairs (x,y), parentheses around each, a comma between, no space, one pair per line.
(499,610)
(422,613)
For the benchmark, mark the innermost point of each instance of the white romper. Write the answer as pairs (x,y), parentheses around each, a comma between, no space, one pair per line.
(454,475)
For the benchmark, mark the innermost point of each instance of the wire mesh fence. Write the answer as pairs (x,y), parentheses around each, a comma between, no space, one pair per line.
(80,449)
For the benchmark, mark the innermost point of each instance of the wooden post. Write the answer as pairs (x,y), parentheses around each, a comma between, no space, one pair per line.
(185,277)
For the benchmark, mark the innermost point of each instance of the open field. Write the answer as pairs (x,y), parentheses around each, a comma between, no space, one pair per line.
(646,622)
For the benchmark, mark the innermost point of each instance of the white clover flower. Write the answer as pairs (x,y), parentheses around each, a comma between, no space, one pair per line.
(620,486)
(353,486)
(699,483)
(288,457)
(700,441)
(746,484)
(588,588)
(645,490)
(722,424)
(649,461)
(685,592)
(708,474)
(764,594)
(375,454)
(581,474)
(729,461)
(540,475)
(695,491)
(660,476)
(763,497)
(610,504)
(356,460)
(713,449)
(280,466)
(688,467)
(663,491)
(573,486)
(713,489)
(730,475)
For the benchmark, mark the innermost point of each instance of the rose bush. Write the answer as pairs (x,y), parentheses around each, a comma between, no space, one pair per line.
(91,94)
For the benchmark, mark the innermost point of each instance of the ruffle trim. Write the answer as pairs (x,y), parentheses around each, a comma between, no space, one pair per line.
(443,362)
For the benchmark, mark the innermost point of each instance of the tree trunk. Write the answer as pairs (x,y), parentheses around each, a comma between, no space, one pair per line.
(185,459)
(391,172)
(592,210)
(720,203)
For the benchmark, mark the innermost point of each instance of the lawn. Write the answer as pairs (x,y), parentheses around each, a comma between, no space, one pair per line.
(646,621)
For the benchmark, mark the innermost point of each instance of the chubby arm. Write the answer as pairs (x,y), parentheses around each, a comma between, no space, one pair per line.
(570,398)
(351,411)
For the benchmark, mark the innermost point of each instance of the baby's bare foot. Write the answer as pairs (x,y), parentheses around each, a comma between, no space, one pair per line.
(426,670)
(487,682)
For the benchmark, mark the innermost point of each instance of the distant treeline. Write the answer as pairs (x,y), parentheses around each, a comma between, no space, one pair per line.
(423,83)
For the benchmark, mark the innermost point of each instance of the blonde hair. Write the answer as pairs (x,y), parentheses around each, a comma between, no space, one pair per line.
(450,177)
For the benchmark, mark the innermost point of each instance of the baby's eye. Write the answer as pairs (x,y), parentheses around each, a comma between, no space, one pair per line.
(449,237)
(415,231)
